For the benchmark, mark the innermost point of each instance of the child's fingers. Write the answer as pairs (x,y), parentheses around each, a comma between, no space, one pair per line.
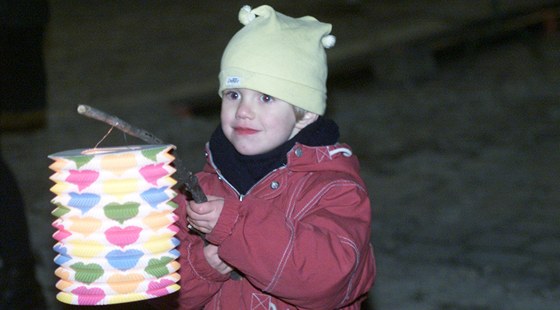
(199,208)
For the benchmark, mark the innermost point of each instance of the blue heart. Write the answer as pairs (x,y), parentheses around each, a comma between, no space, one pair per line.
(84,202)
(62,257)
(60,249)
(175,253)
(155,196)
(124,260)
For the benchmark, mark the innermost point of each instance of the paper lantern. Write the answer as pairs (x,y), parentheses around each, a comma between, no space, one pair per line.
(115,226)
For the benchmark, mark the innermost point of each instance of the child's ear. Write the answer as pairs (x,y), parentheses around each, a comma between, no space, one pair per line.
(308,118)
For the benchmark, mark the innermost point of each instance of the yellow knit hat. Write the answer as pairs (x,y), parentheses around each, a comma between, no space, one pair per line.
(280,56)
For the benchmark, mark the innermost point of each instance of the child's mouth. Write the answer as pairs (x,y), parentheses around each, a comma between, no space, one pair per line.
(244,131)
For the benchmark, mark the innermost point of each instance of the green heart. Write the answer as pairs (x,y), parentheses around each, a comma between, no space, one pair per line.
(158,267)
(87,273)
(60,210)
(81,160)
(121,212)
(172,204)
(151,154)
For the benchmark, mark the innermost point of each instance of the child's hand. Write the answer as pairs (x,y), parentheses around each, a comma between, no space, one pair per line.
(211,255)
(203,216)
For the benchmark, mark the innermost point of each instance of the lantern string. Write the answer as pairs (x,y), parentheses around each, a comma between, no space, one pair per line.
(189,180)
(104,137)
(125,137)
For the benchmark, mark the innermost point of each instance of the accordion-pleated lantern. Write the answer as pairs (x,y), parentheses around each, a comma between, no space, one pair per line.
(115,225)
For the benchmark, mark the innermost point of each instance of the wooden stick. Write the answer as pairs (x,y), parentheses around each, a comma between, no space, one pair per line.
(119,124)
(187,178)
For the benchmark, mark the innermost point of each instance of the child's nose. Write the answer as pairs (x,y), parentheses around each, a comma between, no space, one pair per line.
(244,110)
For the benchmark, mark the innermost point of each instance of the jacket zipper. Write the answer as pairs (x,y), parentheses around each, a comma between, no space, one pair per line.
(221,177)
(239,195)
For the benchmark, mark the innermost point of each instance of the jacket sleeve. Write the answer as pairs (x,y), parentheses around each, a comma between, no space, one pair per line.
(199,281)
(314,254)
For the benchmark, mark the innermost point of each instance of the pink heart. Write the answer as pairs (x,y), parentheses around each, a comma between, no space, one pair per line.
(61,232)
(88,296)
(123,236)
(173,228)
(82,178)
(152,173)
(157,288)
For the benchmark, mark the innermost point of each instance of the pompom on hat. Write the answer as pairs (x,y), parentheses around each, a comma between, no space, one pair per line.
(280,56)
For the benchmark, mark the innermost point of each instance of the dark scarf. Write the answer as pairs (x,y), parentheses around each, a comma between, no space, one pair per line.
(243,171)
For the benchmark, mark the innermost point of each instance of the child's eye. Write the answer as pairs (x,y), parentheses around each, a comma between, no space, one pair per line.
(266,98)
(231,95)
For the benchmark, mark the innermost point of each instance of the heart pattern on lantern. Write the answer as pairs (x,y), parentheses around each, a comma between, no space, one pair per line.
(123,236)
(125,283)
(62,259)
(84,225)
(159,244)
(61,232)
(157,220)
(158,267)
(63,285)
(86,249)
(87,273)
(155,196)
(80,161)
(88,296)
(65,297)
(121,212)
(82,178)
(60,210)
(124,260)
(115,224)
(60,187)
(122,298)
(84,202)
(152,154)
(62,273)
(157,288)
(118,164)
(152,173)
(62,256)
(60,164)
(120,187)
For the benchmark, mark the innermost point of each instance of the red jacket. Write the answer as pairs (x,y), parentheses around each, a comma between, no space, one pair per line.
(300,237)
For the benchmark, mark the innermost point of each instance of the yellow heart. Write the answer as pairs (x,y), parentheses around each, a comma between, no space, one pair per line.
(84,225)
(65,298)
(63,284)
(168,156)
(170,181)
(125,283)
(60,187)
(174,266)
(120,187)
(86,248)
(157,220)
(62,273)
(119,299)
(175,276)
(118,164)
(159,243)
(59,164)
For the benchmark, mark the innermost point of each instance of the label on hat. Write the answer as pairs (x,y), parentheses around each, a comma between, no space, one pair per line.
(233,81)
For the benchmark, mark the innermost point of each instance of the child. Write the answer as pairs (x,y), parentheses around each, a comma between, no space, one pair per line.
(287,224)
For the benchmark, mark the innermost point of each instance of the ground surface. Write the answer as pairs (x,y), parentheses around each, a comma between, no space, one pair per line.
(462,166)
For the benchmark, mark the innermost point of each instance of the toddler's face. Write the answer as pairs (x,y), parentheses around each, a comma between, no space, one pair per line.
(256,123)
